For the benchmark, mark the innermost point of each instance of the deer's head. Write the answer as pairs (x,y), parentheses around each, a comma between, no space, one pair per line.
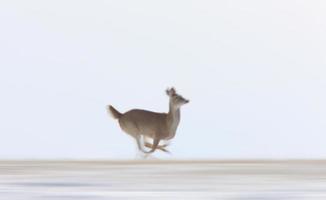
(176,100)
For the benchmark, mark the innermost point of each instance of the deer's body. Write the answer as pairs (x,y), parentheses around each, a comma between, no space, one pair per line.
(146,123)
(158,126)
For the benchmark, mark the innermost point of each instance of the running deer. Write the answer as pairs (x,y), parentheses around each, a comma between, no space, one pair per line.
(157,126)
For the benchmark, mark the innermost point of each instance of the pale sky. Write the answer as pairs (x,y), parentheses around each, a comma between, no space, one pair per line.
(255,72)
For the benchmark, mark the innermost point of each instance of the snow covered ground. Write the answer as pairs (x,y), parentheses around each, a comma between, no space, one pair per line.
(230,180)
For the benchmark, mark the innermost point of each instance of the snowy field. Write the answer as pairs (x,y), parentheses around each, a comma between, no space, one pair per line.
(99,180)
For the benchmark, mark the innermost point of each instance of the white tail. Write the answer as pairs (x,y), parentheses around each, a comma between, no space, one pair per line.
(115,114)
(158,126)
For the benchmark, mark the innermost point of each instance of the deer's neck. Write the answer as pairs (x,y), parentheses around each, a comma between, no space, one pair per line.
(173,119)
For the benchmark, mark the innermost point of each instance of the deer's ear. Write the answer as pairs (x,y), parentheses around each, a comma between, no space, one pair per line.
(170,92)
(167,92)
(173,92)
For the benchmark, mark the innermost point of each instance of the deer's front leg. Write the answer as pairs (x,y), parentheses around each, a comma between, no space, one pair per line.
(148,144)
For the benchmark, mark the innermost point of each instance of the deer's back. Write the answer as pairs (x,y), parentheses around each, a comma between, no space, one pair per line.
(144,122)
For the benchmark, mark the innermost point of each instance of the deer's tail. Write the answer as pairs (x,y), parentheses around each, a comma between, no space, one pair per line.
(115,114)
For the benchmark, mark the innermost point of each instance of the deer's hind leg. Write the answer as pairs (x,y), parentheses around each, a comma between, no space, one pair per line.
(139,143)
(132,130)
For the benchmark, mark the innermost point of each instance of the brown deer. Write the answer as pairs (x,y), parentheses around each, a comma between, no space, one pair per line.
(157,126)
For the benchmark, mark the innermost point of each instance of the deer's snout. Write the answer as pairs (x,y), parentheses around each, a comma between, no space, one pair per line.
(187,101)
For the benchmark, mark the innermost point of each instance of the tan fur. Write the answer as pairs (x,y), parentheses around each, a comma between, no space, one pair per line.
(115,114)
(158,126)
